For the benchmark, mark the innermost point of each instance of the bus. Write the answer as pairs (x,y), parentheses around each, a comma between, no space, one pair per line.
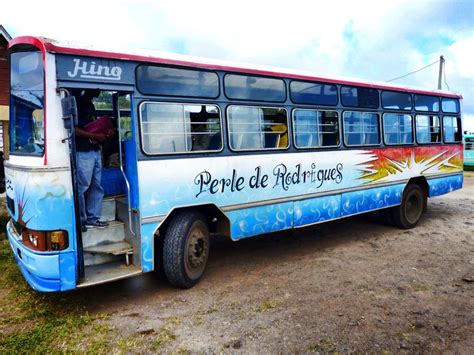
(208,148)
(469,151)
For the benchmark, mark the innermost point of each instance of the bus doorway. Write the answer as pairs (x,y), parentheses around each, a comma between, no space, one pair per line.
(110,249)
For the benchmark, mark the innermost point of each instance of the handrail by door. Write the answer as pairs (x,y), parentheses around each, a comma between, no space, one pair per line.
(127,183)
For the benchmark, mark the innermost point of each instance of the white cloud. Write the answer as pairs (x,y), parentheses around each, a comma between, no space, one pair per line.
(366,39)
(468,122)
(462,54)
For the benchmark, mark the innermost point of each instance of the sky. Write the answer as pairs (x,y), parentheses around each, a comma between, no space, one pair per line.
(370,40)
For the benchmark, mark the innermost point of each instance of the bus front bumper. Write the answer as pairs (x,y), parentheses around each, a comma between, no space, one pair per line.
(41,271)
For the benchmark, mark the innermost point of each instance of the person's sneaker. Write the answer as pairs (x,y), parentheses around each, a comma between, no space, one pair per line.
(97,224)
(83,228)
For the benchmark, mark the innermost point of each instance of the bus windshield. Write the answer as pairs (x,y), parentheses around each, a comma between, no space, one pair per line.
(27,104)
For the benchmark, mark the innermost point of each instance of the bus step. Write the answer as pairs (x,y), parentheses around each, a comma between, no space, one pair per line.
(118,248)
(112,234)
(122,210)
(98,274)
(108,212)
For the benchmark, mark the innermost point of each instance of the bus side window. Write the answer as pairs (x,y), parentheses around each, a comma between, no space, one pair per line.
(315,128)
(361,128)
(398,128)
(255,128)
(205,129)
(452,129)
(427,129)
(180,128)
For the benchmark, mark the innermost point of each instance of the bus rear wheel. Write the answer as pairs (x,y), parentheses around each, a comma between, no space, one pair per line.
(186,249)
(409,212)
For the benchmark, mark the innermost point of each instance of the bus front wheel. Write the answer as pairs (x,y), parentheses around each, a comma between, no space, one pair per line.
(409,212)
(186,249)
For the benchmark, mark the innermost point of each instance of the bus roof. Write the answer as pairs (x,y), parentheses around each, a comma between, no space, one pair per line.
(148,56)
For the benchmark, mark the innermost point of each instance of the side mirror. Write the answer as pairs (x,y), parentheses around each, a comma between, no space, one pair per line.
(69,108)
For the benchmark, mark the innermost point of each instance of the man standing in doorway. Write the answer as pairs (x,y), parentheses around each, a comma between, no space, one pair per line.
(89,163)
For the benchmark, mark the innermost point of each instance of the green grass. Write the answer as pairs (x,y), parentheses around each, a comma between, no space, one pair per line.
(165,336)
(326,345)
(32,322)
(266,305)
(35,322)
(3,221)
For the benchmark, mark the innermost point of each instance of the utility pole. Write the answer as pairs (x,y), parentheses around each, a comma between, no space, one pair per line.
(441,68)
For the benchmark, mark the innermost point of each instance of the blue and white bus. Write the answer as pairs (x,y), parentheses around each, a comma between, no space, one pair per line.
(469,150)
(205,147)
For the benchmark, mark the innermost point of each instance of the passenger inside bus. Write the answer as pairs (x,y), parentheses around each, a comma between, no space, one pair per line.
(278,138)
(205,130)
(89,162)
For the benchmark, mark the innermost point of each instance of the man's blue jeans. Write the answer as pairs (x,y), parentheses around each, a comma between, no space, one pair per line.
(91,193)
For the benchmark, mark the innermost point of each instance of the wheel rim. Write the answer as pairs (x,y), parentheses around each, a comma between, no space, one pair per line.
(413,208)
(196,252)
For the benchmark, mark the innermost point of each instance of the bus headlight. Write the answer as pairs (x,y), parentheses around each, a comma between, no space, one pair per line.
(45,241)
(34,239)
(57,240)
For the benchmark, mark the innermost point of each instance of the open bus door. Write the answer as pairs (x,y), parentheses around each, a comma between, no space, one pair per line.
(113,252)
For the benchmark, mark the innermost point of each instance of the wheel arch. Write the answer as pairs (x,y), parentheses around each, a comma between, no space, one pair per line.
(216,219)
(423,184)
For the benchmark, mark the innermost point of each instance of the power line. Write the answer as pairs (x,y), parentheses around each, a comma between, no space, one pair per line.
(413,72)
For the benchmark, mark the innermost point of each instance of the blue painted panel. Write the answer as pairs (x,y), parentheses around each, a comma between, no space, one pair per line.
(317,210)
(147,234)
(371,199)
(42,265)
(444,185)
(67,270)
(41,271)
(112,182)
(38,283)
(257,220)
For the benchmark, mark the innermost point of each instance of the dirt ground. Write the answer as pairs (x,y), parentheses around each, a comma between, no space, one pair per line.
(348,286)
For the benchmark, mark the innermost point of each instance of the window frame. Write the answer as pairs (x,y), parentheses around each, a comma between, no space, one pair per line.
(440,129)
(182,68)
(338,99)
(28,49)
(360,87)
(140,126)
(254,100)
(412,128)
(361,145)
(314,109)
(397,109)
(261,149)
(424,111)
(458,120)
(448,113)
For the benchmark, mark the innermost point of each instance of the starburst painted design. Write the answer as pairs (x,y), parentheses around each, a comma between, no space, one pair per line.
(22,203)
(403,163)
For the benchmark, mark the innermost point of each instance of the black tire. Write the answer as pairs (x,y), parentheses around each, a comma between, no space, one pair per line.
(386,216)
(158,245)
(409,212)
(186,249)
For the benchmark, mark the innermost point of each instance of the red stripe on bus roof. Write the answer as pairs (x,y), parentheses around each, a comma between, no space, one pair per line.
(50,47)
